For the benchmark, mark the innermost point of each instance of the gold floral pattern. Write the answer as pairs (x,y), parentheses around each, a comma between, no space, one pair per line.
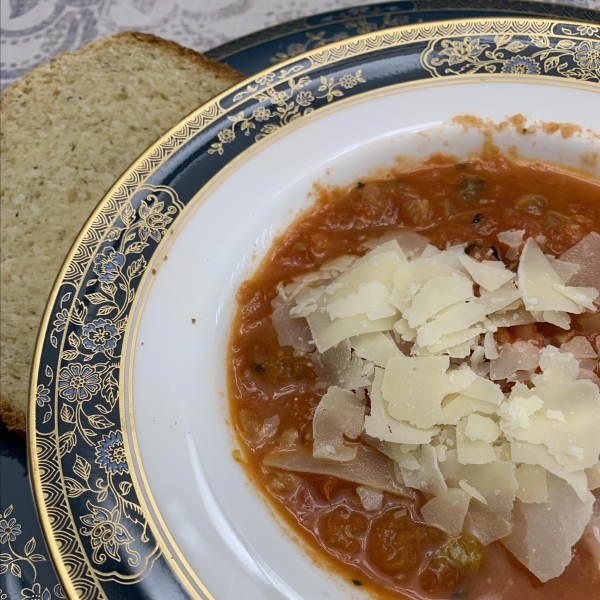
(548,53)
(12,560)
(21,564)
(108,535)
(357,26)
(91,325)
(313,40)
(286,106)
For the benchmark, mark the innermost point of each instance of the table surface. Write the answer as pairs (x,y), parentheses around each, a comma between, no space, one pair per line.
(32,31)
(35,30)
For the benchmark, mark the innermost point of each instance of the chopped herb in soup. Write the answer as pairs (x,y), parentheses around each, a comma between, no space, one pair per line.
(414,381)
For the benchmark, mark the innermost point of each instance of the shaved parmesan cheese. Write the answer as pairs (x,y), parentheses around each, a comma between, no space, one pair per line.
(556,317)
(477,356)
(461,316)
(579,347)
(327,333)
(377,268)
(412,244)
(532,484)
(543,534)
(414,389)
(495,481)
(593,477)
(566,270)
(384,249)
(451,257)
(486,525)
(380,424)
(485,390)
(338,366)
(440,450)
(542,288)
(306,302)
(557,415)
(472,452)
(514,240)
(376,347)
(388,326)
(452,340)
(481,428)
(405,460)
(489,345)
(409,278)
(290,332)
(437,294)
(460,350)
(428,478)
(447,512)
(499,299)
(585,254)
(460,379)
(533,454)
(520,356)
(305,283)
(583,296)
(339,413)
(406,333)
(369,468)
(515,412)
(490,275)
(430,251)
(556,367)
(370,498)
(579,401)
(471,491)
(518,316)
(371,299)
(459,406)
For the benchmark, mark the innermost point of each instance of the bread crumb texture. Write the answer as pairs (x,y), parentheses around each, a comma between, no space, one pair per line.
(69,129)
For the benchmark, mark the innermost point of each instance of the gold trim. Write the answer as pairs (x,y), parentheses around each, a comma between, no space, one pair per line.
(134,178)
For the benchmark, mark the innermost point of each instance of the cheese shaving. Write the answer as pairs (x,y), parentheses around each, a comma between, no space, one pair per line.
(471,491)
(414,389)
(407,327)
(339,414)
(490,275)
(514,240)
(447,512)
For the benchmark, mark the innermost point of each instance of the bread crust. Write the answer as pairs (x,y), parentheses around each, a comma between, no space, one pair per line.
(11,413)
(13,418)
(220,70)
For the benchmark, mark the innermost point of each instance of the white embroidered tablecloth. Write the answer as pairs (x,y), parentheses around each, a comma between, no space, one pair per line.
(35,30)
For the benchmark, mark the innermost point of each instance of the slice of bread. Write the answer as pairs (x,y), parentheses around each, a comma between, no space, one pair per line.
(69,129)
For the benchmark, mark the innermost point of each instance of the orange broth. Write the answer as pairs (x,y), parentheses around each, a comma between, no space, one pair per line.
(468,202)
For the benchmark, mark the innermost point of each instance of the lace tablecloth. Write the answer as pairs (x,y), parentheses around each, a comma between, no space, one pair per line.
(35,30)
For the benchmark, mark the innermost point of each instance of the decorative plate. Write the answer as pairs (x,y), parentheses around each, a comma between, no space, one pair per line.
(262,49)
(130,450)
